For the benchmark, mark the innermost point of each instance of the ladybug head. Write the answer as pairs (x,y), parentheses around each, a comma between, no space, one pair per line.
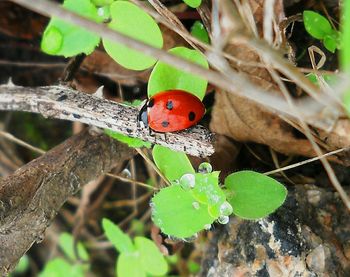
(142,118)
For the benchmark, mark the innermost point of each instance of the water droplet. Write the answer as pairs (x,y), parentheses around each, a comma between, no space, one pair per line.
(126,173)
(214,199)
(207,226)
(205,168)
(223,219)
(152,205)
(187,181)
(226,208)
(195,205)
(191,239)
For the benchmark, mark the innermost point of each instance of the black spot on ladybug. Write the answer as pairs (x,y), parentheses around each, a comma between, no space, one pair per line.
(62,97)
(191,116)
(165,123)
(169,105)
(150,103)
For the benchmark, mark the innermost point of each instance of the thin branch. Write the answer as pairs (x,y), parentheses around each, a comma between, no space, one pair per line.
(291,166)
(64,103)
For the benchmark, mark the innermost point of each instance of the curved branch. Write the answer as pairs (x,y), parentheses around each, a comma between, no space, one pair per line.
(64,103)
(31,196)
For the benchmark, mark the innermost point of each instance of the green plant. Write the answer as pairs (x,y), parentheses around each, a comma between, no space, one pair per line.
(70,265)
(199,32)
(345,51)
(320,28)
(22,266)
(199,196)
(137,258)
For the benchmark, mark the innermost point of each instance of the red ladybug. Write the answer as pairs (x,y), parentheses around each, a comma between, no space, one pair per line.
(171,110)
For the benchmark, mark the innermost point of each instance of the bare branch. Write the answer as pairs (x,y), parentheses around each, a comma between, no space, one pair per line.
(64,103)
(31,197)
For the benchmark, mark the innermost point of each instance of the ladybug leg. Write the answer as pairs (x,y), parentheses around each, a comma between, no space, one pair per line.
(151,132)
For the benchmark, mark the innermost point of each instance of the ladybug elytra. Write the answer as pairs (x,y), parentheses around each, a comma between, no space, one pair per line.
(171,110)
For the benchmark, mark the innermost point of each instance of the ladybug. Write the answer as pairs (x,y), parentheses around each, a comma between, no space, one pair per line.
(171,111)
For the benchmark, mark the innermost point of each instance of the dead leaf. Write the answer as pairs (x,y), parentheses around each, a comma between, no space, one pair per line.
(246,121)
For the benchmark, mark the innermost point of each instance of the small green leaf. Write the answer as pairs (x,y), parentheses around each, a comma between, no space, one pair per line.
(199,32)
(329,78)
(316,25)
(129,265)
(152,260)
(66,243)
(132,21)
(65,39)
(178,214)
(22,265)
(330,41)
(58,267)
(345,37)
(193,267)
(171,163)
(121,241)
(193,3)
(131,142)
(254,195)
(346,102)
(166,77)
(101,3)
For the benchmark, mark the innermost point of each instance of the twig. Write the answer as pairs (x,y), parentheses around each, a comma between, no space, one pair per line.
(305,161)
(21,142)
(64,103)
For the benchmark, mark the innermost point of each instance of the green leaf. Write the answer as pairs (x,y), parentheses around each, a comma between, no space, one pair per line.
(330,41)
(65,39)
(22,265)
(346,102)
(117,237)
(193,267)
(131,142)
(66,243)
(316,25)
(132,21)
(193,3)
(152,260)
(129,265)
(178,214)
(58,267)
(329,78)
(199,32)
(101,3)
(171,163)
(345,36)
(166,77)
(254,195)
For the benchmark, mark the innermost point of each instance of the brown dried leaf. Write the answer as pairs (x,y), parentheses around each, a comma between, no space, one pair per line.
(245,120)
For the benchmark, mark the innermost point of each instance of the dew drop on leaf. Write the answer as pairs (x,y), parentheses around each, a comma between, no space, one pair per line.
(207,226)
(126,173)
(226,209)
(187,181)
(214,199)
(195,205)
(205,168)
(223,219)
(52,40)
